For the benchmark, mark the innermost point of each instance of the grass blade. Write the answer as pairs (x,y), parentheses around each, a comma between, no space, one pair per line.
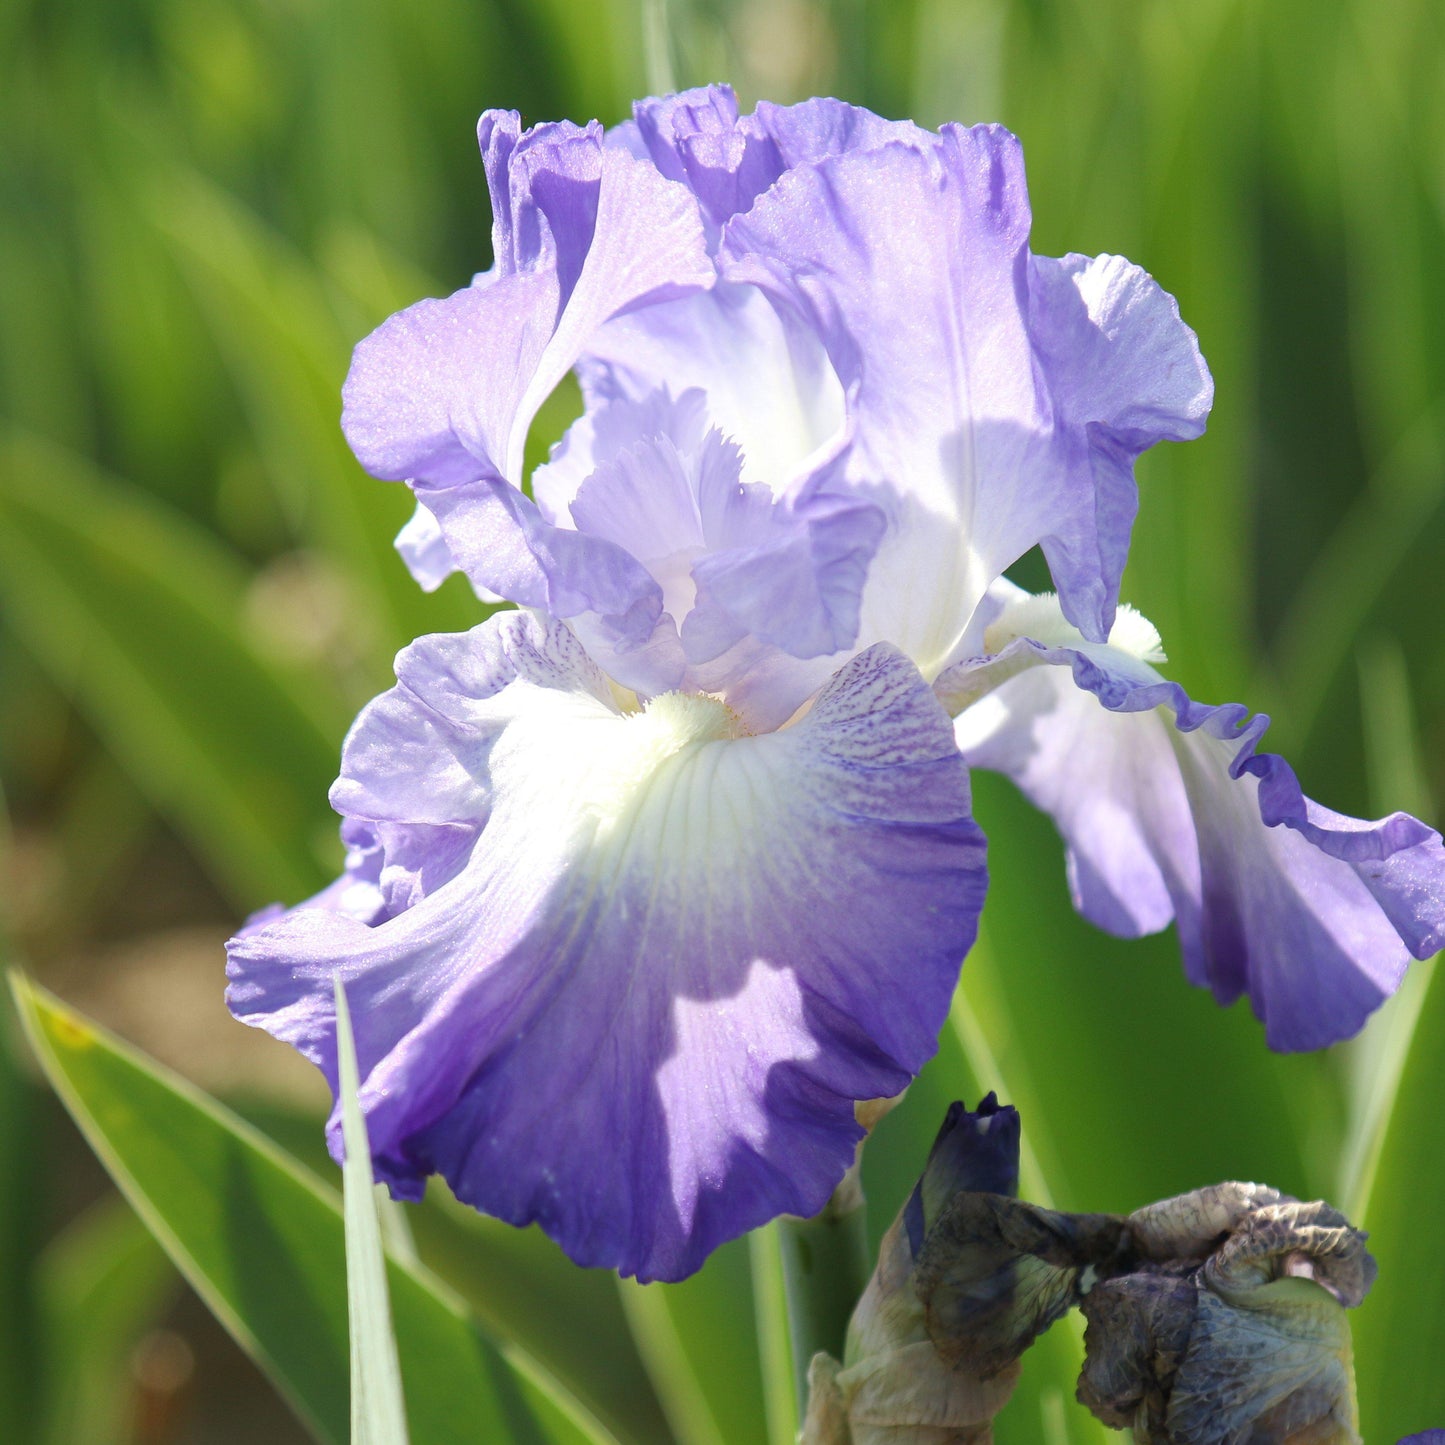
(378,1414)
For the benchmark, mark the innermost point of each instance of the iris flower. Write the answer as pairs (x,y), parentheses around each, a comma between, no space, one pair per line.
(653,877)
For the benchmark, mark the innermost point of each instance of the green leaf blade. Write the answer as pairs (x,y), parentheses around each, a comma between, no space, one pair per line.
(261,1240)
(378,1414)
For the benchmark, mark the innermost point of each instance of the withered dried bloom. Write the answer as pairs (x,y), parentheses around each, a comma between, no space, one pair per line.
(1216,1318)
(1231,1327)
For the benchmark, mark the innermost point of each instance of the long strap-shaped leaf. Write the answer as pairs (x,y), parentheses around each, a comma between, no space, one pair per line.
(378,1414)
(261,1240)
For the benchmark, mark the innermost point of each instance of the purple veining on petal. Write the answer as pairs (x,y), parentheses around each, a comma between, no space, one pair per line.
(641,1010)
(1168,809)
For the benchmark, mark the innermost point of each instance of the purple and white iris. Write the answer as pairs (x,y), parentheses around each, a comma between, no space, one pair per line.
(654,877)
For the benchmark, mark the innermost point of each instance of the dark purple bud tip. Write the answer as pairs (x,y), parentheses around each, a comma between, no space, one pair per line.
(976,1151)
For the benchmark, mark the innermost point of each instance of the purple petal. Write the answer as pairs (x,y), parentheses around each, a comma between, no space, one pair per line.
(727,161)
(1168,810)
(975,424)
(427,556)
(642,1011)
(855,244)
(746,574)
(436,392)
(731,560)
(1124,372)
(500,539)
(602,435)
(768,383)
(444,391)
(797,586)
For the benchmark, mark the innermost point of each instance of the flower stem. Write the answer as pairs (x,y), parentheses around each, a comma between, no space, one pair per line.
(826,1264)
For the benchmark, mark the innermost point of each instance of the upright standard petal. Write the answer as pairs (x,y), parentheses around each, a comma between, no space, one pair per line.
(969,368)
(1168,810)
(642,1008)
(766,378)
(444,391)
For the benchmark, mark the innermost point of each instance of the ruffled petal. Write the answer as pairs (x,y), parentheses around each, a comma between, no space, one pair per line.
(1168,810)
(945,409)
(444,391)
(642,1010)
(663,531)
(795,583)
(728,160)
(975,424)
(1124,372)
(436,392)
(603,435)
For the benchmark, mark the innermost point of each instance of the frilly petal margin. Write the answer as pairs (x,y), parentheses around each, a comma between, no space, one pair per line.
(1168,810)
(641,1011)
(727,160)
(500,539)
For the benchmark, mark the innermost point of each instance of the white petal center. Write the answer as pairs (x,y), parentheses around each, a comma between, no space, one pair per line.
(643,743)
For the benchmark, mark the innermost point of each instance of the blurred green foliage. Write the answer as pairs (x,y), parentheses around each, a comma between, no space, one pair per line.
(205,203)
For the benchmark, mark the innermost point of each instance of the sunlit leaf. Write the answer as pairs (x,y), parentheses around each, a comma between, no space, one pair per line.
(261,1241)
(378,1413)
(1402,1325)
(520,1287)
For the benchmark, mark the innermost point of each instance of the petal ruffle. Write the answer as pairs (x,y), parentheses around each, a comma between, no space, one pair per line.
(641,1011)
(1168,810)
(728,160)
(499,538)
(672,571)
